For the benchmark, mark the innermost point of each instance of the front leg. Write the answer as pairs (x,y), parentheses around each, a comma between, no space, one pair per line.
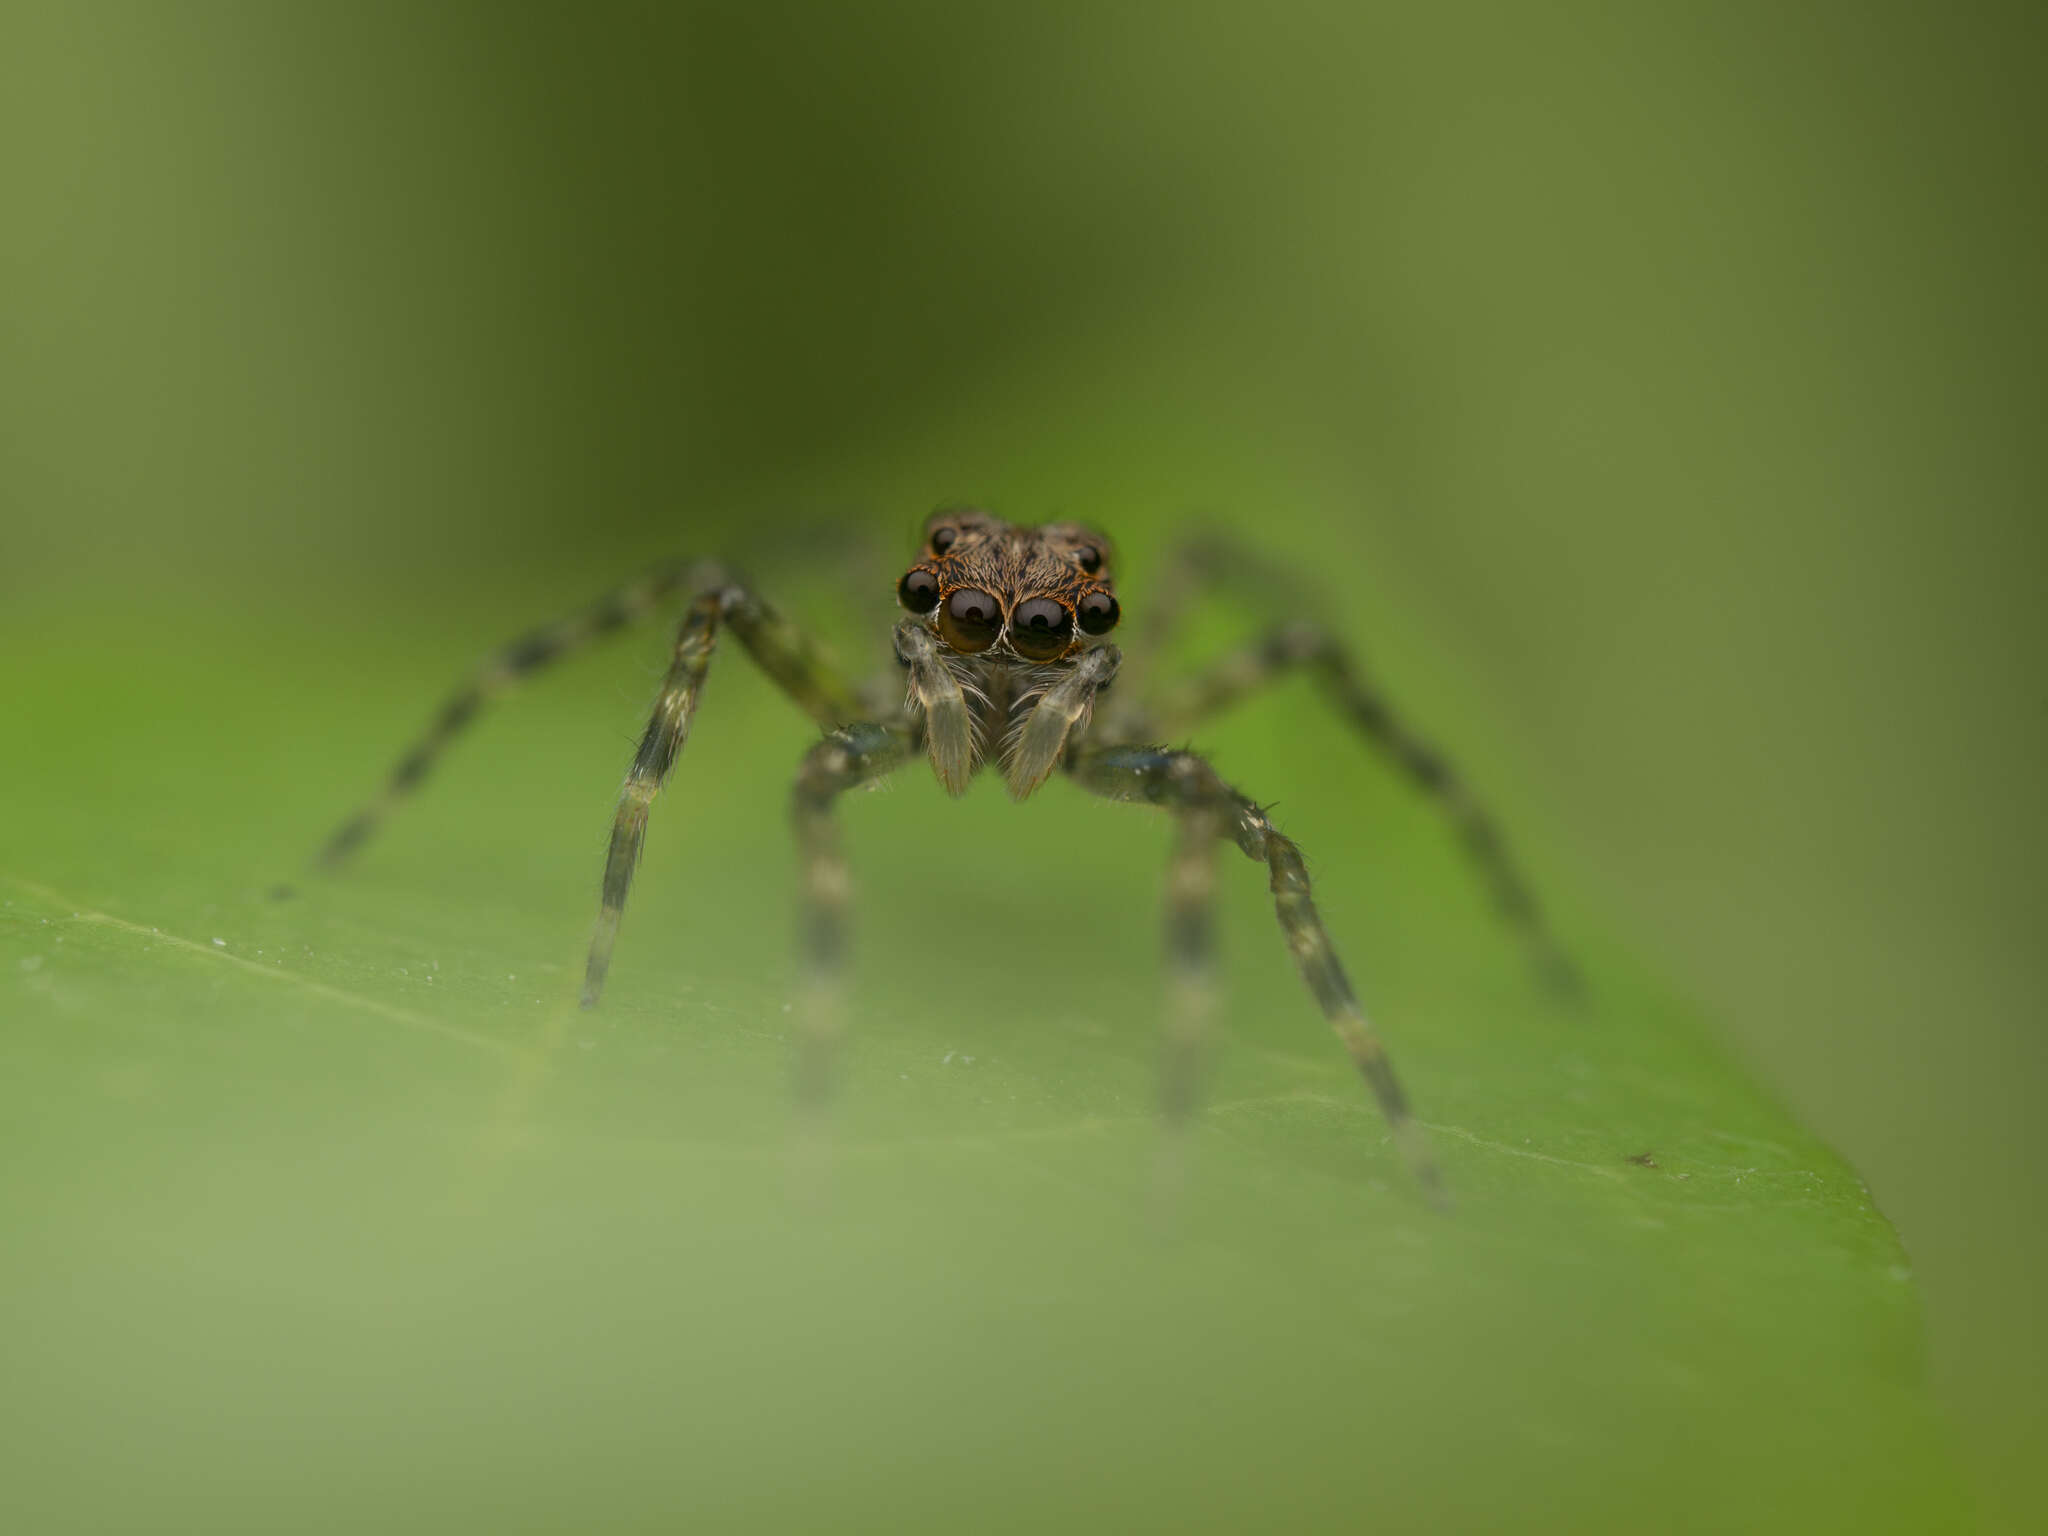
(515,662)
(785,654)
(1186,785)
(844,760)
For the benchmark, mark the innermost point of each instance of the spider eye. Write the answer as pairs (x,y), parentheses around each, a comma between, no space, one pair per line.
(918,591)
(1040,628)
(1090,558)
(943,539)
(1099,613)
(971,620)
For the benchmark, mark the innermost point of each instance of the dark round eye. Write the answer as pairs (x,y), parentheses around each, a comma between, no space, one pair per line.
(1090,558)
(918,591)
(1099,613)
(1040,628)
(971,620)
(943,538)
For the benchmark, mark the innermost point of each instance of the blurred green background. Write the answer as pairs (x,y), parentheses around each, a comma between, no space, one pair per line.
(1653,389)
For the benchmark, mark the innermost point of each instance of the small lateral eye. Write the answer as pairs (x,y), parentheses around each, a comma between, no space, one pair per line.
(1040,628)
(918,591)
(971,620)
(943,539)
(1090,558)
(1099,613)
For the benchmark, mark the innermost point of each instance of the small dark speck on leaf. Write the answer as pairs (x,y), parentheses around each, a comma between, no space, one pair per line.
(281,893)
(1644,1160)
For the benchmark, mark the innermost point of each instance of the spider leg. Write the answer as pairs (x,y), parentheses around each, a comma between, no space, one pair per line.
(1354,696)
(846,759)
(1190,963)
(786,655)
(1186,785)
(528,654)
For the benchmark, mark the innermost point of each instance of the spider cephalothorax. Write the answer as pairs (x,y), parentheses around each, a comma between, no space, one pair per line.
(1003,653)
(1035,594)
(1010,657)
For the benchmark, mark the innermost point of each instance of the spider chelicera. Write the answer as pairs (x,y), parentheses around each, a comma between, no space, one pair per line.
(1004,658)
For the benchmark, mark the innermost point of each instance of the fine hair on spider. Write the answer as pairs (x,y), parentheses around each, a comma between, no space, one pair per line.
(1004,655)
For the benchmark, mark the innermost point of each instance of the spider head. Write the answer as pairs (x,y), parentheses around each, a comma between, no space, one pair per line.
(1040,594)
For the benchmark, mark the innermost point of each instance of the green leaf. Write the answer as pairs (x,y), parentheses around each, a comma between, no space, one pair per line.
(334,1212)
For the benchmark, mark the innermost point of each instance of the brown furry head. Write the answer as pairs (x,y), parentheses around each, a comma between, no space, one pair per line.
(1040,594)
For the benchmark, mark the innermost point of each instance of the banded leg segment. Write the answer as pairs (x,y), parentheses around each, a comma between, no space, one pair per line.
(528,654)
(782,652)
(1186,785)
(1190,964)
(846,759)
(1354,696)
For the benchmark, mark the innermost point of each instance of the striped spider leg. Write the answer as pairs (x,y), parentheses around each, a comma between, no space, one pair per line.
(1302,645)
(1207,809)
(788,656)
(503,671)
(848,758)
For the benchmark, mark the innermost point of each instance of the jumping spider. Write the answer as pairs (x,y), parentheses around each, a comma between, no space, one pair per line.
(1003,658)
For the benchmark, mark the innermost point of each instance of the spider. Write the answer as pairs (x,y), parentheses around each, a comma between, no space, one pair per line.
(1004,659)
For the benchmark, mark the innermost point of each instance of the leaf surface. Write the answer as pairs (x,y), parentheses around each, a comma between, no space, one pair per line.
(335,1212)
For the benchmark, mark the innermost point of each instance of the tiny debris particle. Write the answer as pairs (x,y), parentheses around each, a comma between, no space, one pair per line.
(946,1060)
(221,943)
(1644,1160)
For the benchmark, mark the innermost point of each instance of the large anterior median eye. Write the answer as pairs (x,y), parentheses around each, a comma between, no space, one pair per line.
(970,620)
(918,591)
(1041,628)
